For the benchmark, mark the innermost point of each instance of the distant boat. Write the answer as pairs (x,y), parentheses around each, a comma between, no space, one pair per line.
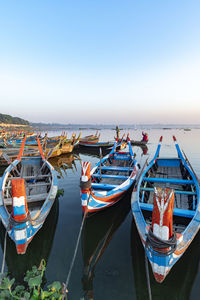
(109,180)
(27,192)
(92,145)
(89,139)
(63,146)
(166,210)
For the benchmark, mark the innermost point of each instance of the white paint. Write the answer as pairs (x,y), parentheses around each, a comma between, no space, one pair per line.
(84,178)
(161,270)
(18,201)
(84,202)
(161,231)
(20,234)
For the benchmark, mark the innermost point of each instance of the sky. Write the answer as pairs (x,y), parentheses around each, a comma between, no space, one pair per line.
(102,62)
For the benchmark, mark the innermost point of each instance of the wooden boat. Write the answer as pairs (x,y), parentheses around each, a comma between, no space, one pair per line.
(89,139)
(40,247)
(179,284)
(166,210)
(64,146)
(96,146)
(13,153)
(27,192)
(139,143)
(109,180)
(143,142)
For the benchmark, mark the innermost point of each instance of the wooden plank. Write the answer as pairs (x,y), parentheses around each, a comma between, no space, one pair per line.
(104,186)
(176,211)
(116,168)
(168,180)
(176,191)
(32,198)
(110,176)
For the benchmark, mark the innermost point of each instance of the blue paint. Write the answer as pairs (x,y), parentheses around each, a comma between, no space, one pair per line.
(176,211)
(168,162)
(110,176)
(168,180)
(102,186)
(176,191)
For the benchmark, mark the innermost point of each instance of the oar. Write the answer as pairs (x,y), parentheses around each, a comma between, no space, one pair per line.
(48,155)
(7,158)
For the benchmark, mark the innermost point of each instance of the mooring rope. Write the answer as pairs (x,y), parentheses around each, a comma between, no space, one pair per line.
(147,272)
(75,252)
(4,256)
(158,245)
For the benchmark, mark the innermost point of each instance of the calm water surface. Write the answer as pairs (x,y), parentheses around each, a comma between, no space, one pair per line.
(110,258)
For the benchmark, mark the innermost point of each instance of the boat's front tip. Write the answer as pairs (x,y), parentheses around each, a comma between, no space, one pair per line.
(21,249)
(160,272)
(159,277)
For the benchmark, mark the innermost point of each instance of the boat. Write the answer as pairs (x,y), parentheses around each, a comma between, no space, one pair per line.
(179,284)
(96,146)
(97,234)
(139,143)
(89,139)
(109,180)
(166,209)
(40,248)
(64,146)
(143,142)
(28,190)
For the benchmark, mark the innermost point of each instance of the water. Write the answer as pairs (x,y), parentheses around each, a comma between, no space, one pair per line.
(110,258)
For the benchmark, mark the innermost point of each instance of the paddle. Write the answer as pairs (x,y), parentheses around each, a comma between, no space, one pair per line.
(48,155)
(7,158)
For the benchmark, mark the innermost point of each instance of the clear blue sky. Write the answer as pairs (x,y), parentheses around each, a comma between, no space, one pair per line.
(100,61)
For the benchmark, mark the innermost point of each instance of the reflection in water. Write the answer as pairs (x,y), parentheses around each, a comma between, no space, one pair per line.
(97,233)
(177,285)
(40,247)
(64,162)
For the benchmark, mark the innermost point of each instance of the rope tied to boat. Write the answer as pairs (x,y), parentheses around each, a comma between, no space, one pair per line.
(4,256)
(12,222)
(75,251)
(159,246)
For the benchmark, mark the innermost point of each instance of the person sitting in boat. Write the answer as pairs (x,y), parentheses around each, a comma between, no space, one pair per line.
(144,137)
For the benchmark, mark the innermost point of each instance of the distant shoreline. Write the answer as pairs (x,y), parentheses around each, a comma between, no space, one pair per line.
(12,125)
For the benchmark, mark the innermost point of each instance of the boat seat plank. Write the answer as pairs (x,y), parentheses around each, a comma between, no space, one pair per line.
(176,191)
(116,168)
(168,162)
(105,186)
(168,180)
(110,176)
(31,198)
(176,211)
(31,177)
(121,156)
